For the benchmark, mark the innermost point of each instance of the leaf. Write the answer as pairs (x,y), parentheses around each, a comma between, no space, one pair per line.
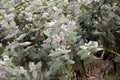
(13,53)
(117,59)
(12,24)
(47,33)
(12,45)
(21,37)
(107,77)
(34,74)
(92,44)
(83,47)
(55,54)
(32,66)
(38,65)
(52,23)
(65,51)
(25,43)
(70,61)
(1,50)
(93,50)
(110,37)
(11,35)
(28,48)
(83,54)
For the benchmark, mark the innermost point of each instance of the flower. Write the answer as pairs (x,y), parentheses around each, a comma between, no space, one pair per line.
(63,47)
(2,73)
(58,38)
(5,57)
(64,27)
(9,16)
(72,23)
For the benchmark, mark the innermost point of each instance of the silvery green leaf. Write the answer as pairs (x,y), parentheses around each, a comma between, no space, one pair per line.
(34,74)
(13,53)
(28,48)
(62,19)
(2,62)
(99,49)
(32,66)
(11,35)
(92,44)
(48,73)
(55,54)
(12,23)
(21,36)
(25,43)
(33,30)
(12,45)
(84,54)
(65,51)
(93,50)
(83,47)
(48,33)
(83,51)
(38,65)
(70,61)
(52,23)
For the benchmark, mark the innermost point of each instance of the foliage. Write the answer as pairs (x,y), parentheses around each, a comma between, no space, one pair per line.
(51,39)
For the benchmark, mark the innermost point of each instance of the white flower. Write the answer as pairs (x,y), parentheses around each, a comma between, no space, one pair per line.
(5,57)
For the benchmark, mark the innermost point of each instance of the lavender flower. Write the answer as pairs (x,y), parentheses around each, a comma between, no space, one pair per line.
(63,47)
(2,73)
(58,38)
(64,27)
(9,16)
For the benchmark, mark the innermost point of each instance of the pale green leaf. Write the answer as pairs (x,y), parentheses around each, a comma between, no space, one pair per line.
(21,36)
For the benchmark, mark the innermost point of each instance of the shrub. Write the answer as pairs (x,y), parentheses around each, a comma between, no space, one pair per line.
(55,39)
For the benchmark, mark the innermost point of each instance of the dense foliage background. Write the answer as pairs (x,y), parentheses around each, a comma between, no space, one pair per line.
(59,39)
